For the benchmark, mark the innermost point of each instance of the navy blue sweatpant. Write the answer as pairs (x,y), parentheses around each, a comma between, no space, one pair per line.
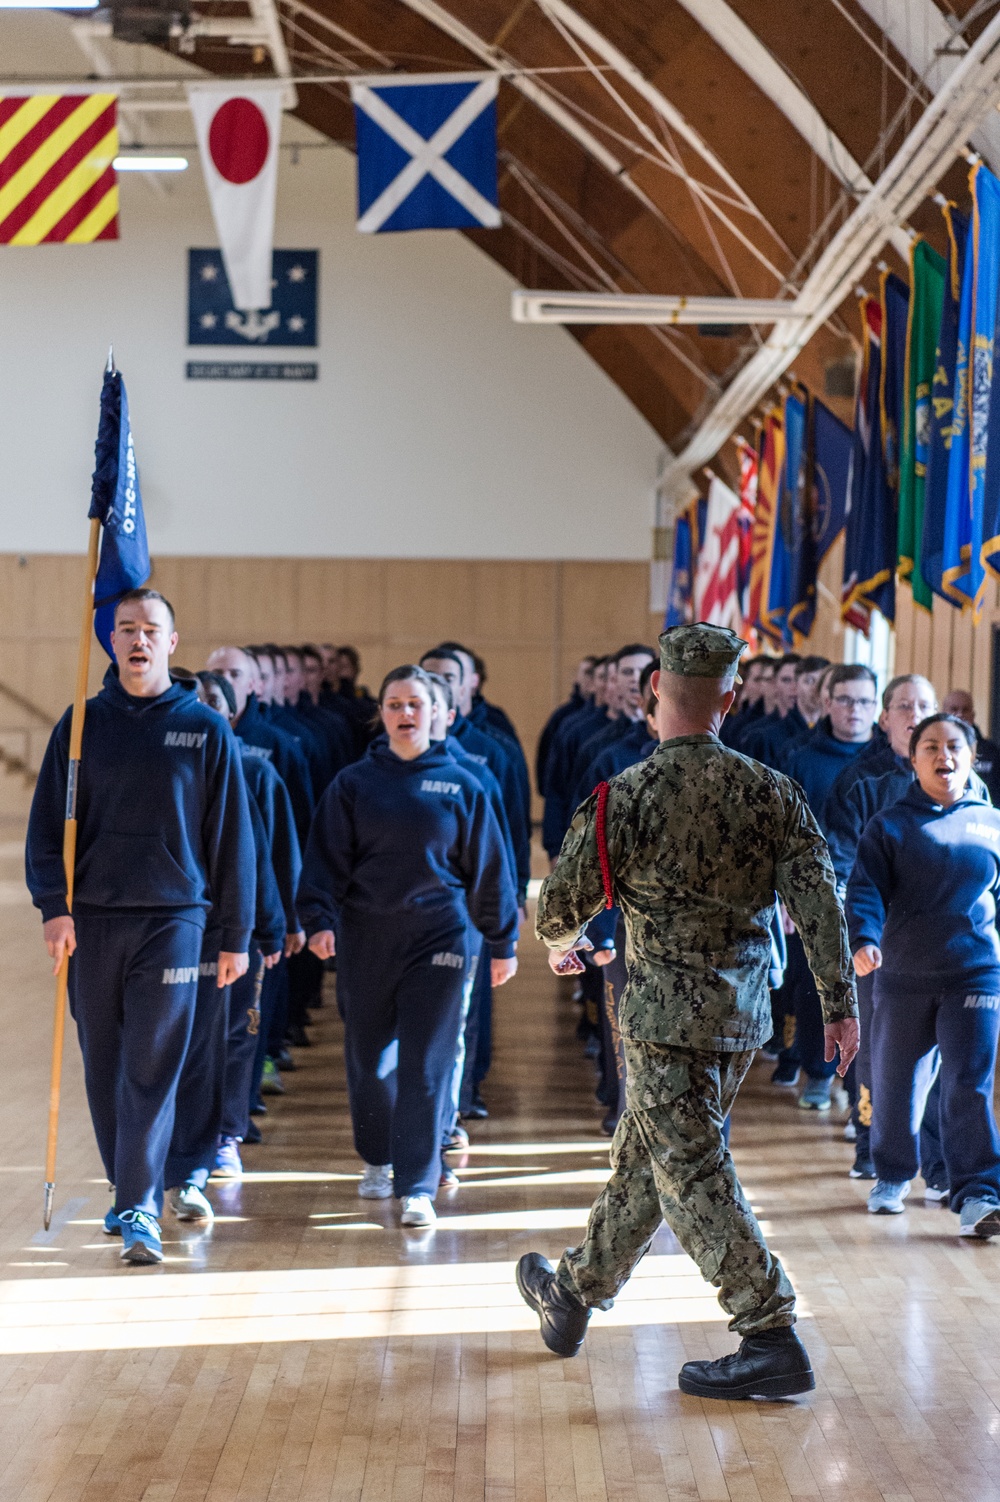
(242,1034)
(133,982)
(400,991)
(199,1091)
(478,1018)
(809,1034)
(905,1029)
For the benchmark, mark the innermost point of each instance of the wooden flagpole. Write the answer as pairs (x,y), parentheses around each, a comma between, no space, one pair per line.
(69,859)
(69,851)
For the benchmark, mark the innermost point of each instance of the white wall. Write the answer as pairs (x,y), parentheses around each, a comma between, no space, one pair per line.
(438,428)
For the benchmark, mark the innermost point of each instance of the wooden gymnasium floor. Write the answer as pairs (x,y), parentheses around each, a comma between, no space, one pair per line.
(306,1348)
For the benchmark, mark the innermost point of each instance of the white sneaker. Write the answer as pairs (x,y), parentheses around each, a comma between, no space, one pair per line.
(376,1182)
(979,1218)
(188,1203)
(418,1211)
(934,1196)
(850,1132)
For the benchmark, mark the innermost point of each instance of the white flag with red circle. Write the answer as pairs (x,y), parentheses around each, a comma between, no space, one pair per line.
(238,130)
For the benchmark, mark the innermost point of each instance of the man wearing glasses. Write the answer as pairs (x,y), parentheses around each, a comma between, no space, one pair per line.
(816,763)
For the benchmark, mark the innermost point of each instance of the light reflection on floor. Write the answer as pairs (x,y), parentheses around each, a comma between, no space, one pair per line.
(137,1311)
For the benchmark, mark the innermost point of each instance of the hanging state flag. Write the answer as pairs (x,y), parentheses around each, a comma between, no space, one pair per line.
(942,409)
(870,543)
(427,152)
(116,503)
(984,561)
(680,600)
(927,279)
(830,473)
(956,552)
(748,507)
(787,527)
(57,176)
(772,458)
(716,587)
(239,130)
(894,300)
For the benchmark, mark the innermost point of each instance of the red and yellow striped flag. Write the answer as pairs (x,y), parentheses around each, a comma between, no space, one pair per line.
(57,179)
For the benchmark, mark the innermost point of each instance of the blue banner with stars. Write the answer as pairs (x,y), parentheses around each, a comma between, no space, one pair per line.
(290,320)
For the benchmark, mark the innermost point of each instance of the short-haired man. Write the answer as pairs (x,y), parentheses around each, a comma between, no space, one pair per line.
(765,739)
(755,703)
(691,818)
(815,763)
(163,835)
(240,669)
(580,696)
(987,763)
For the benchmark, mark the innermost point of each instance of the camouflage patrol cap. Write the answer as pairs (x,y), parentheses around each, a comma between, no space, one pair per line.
(701,651)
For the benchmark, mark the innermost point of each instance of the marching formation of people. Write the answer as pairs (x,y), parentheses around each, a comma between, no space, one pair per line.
(239,830)
(244,828)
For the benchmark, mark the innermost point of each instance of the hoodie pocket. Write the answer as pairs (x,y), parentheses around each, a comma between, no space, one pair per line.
(135,870)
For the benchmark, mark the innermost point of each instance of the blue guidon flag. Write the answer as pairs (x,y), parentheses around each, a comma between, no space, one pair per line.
(116,503)
(427,152)
(213,318)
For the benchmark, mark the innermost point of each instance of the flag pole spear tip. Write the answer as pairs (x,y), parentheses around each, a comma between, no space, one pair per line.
(110,367)
(50,1193)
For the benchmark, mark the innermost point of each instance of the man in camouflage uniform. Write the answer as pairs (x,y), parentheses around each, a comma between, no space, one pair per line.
(697,841)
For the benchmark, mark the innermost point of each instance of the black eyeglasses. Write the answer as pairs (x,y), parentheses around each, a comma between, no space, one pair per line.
(858,703)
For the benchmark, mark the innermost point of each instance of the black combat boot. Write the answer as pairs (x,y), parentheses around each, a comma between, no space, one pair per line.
(773,1364)
(563,1318)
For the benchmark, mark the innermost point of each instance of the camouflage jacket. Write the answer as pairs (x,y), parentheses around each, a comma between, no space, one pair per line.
(700,838)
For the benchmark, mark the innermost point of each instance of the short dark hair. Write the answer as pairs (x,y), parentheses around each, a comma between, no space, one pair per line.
(308,650)
(849,672)
(353,654)
(443,687)
(788,660)
(634,649)
(811,665)
(287,652)
(400,675)
(133,596)
(216,680)
(942,719)
(445,654)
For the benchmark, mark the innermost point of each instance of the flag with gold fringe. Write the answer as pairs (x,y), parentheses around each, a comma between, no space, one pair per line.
(870,543)
(772,458)
(984,558)
(57,176)
(927,280)
(942,412)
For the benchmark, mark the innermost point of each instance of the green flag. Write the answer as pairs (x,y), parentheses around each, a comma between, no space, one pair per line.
(927,274)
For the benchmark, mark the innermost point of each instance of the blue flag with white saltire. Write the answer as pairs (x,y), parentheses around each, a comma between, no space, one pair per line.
(942,415)
(831,468)
(116,502)
(427,153)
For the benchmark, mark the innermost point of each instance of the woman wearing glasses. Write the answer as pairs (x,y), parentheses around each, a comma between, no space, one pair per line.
(922,910)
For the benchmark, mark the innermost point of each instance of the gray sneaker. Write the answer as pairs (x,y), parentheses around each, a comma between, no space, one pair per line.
(188,1203)
(980,1218)
(886,1198)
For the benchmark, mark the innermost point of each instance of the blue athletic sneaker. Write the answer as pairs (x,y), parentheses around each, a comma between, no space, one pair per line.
(141,1235)
(228,1164)
(980,1218)
(816,1096)
(112,1224)
(886,1198)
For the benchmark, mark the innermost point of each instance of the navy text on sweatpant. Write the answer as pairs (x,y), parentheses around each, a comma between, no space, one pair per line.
(965,1025)
(133,982)
(401,988)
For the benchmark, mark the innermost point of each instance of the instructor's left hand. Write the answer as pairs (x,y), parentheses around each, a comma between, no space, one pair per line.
(846,1036)
(231,967)
(501,971)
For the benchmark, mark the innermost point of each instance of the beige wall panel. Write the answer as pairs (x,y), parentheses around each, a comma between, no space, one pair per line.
(430,599)
(961,648)
(922,649)
(939,669)
(343,600)
(905,624)
(981,661)
(605,605)
(514,601)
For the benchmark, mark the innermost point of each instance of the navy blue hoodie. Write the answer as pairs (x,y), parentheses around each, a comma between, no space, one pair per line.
(163,821)
(269,918)
(924,889)
(817,762)
(488,752)
(395,839)
(573,704)
(287,757)
(275,807)
(519,874)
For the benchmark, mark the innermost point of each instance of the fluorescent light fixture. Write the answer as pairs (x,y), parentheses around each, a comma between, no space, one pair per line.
(622,307)
(151,163)
(49,4)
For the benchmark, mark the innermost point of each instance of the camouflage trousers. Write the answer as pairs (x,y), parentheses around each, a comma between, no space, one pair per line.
(669,1162)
